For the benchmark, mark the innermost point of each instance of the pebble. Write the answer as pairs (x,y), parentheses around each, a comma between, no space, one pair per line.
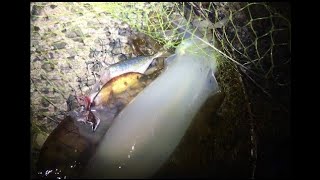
(44,102)
(122,57)
(116,51)
(65,68)
(124,32)
(59,45)
(36,59)
(36,11)
(48,67)
(45,90)
(36,28)
(50,55)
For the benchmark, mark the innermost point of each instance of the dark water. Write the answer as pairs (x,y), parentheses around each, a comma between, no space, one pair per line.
(214,146)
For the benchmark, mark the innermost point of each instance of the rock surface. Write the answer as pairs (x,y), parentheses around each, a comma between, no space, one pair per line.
(70,43)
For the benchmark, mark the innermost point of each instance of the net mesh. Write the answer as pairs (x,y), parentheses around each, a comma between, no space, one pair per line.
(254,35)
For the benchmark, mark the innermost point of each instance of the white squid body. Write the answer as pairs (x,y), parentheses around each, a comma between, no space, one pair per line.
(148,130)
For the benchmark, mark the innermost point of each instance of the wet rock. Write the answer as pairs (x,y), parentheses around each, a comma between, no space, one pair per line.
(36,59)
(78,31)
(36,80)
(96,66)
(63,86)
(71,35)
(56,99)
(36,11)
(65,68)
(124,32)
(92,54)
(52,6)
(85,88)
(32,49)
(36,28)
(81,85)
(75,35)
(50,55)
(45,90)
(116,51)
(48,67)
(122,57)
(89,62)
(88,6)
(72,52)
(78,39)
(60,117)
(44,102)
(91,82)
(53,34)
(40,49)
(71,58)
(72,103)
(93,25)
(59,45)
(107,30)
(115,43)
(54,77)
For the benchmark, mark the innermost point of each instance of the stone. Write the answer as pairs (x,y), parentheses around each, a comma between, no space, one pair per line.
(124,32)
(71,58)
(59,45)
(122,57)
(115,43)
(65,68)
(78,31)
(36,11)
(52,6)
(116,51)
(71,35)
(45,90)
(44,102)
(36,59)
(78,39)
(36,28)
(50,55)
(108,33)
(91,82)
(56,99)
(96,66)
(48,67)
(40,49)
